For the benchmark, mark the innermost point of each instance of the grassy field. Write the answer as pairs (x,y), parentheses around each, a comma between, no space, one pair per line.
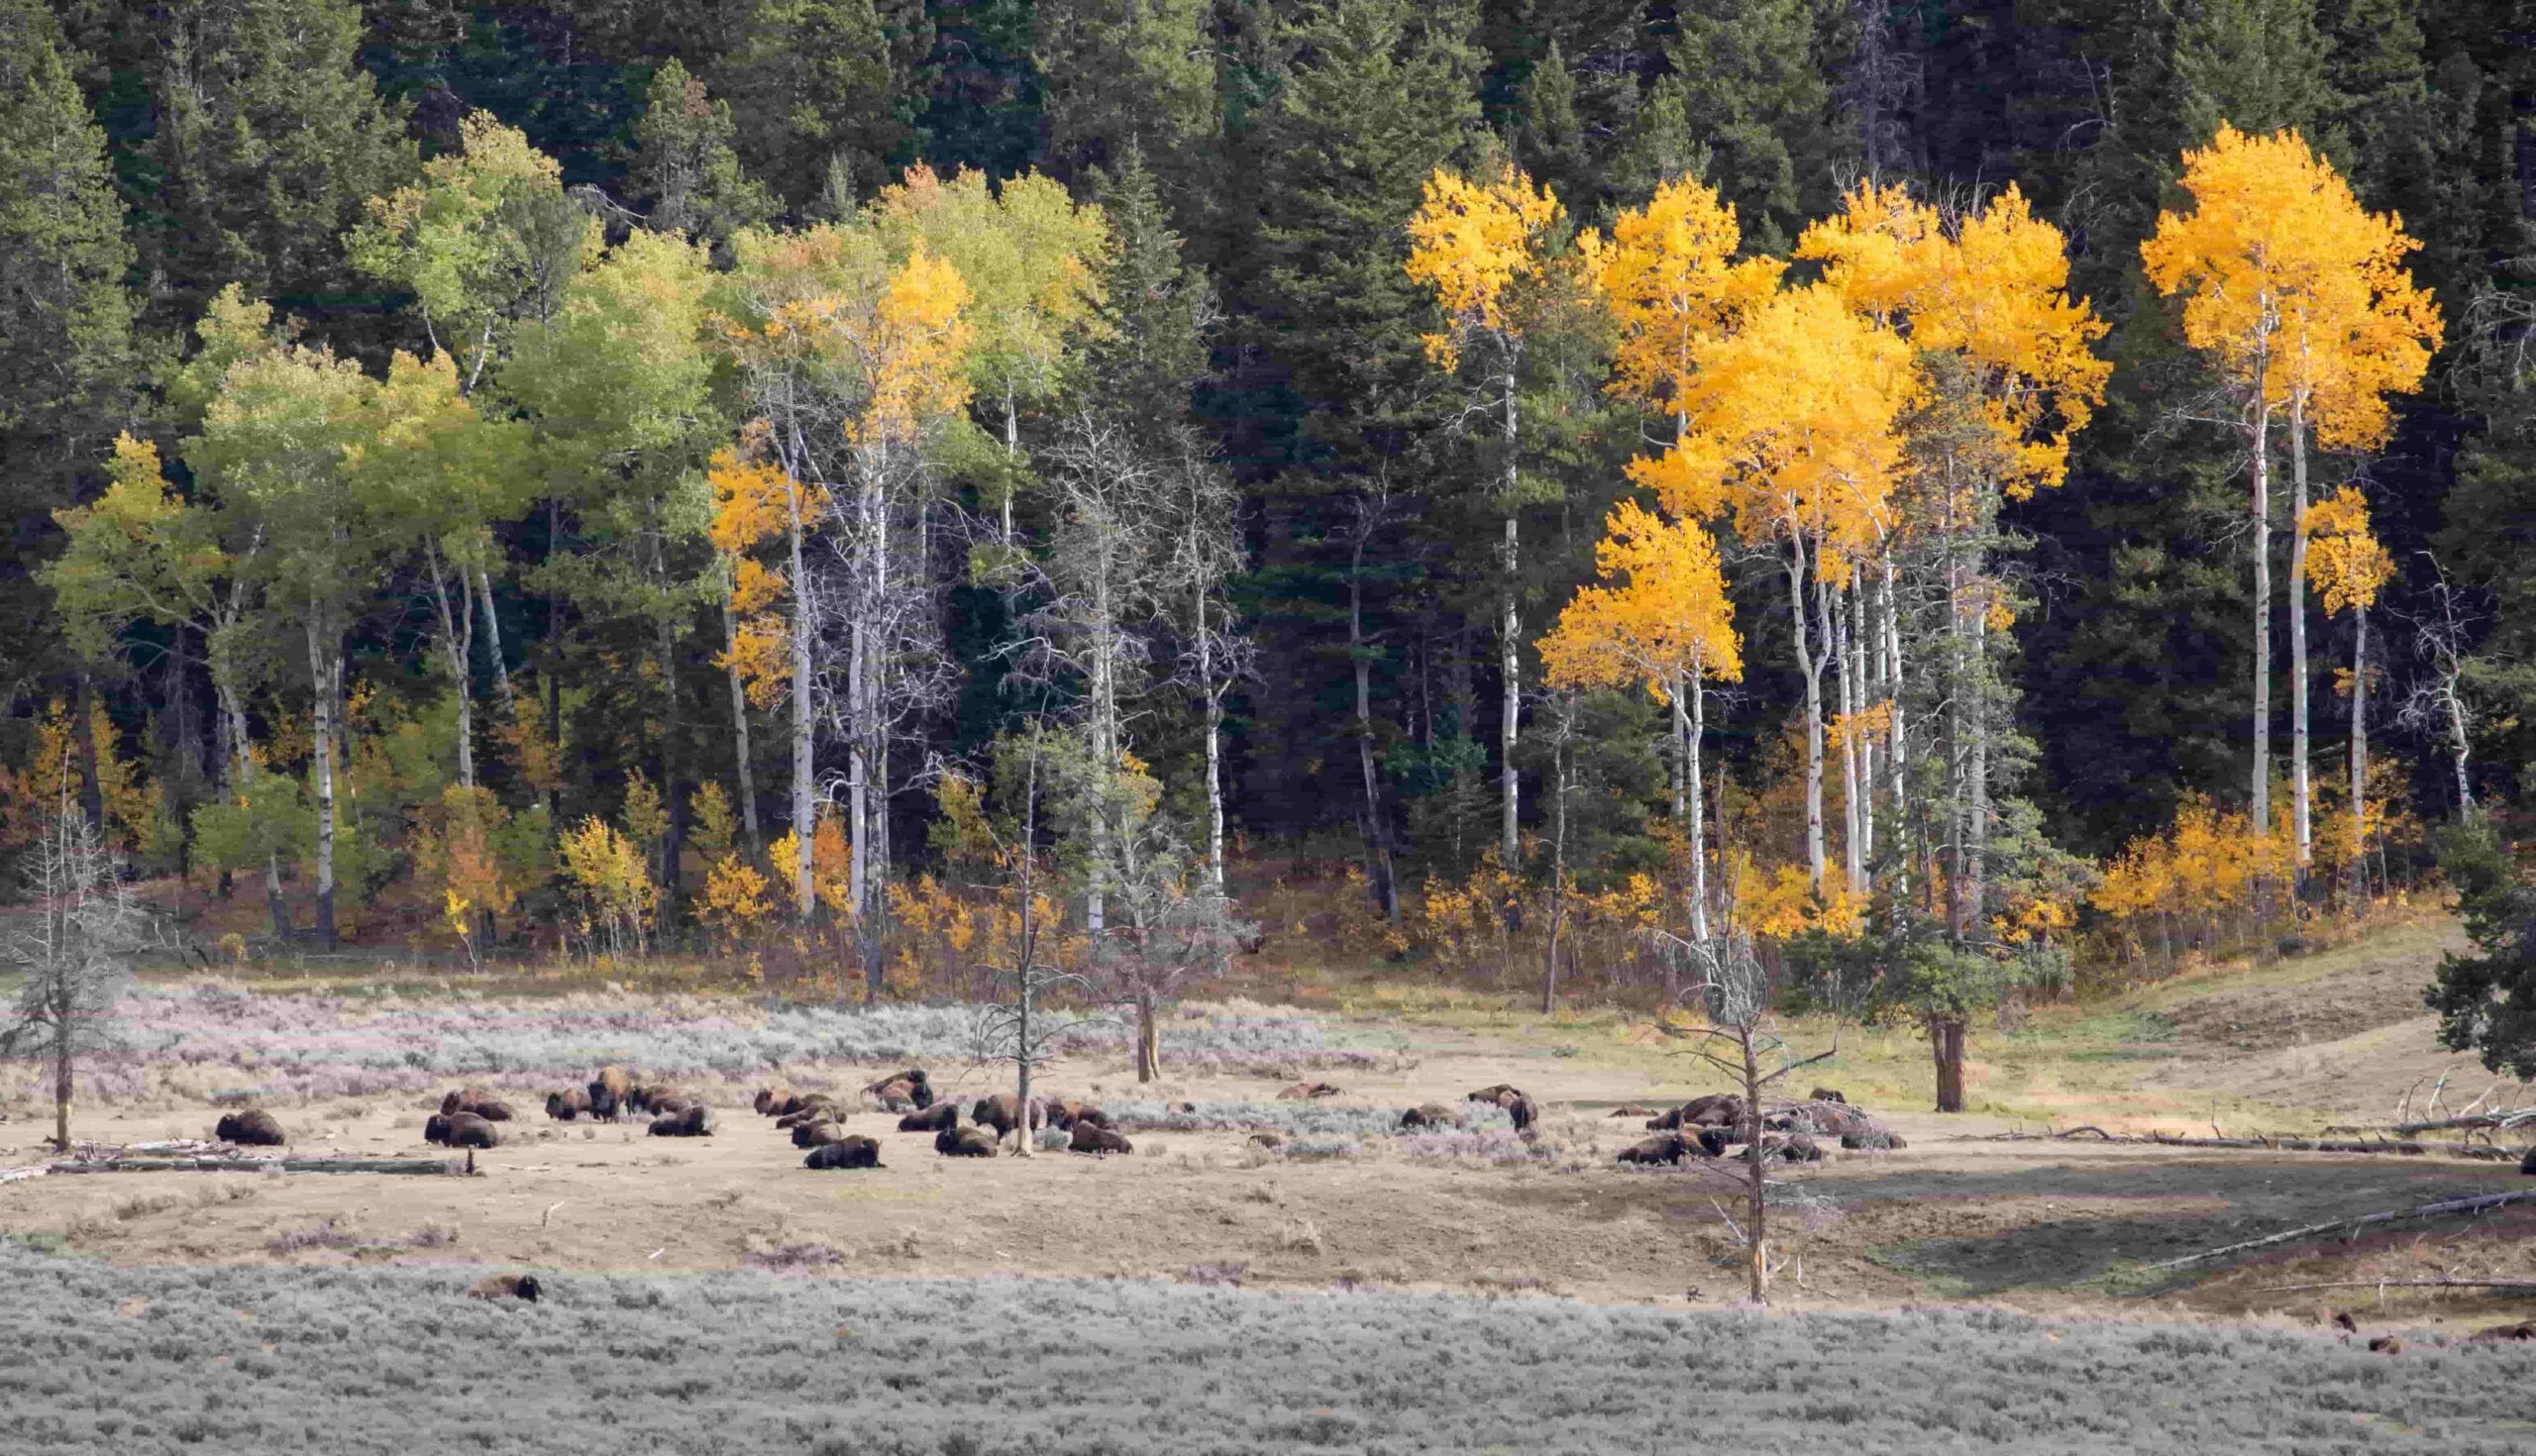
(133,1359)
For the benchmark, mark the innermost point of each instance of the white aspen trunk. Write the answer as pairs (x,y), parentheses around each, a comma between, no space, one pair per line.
(1976,779)
(1868,662)
(2359,751)
(1892,619)
(493,643)
(804,822)
(2300,801)
(1698,691)
(2261,511)
(2459,746)
(1511,647)
(457,643)
(1809,663)
(1377,832)
(740,728)
(324,665)
(1837,637)
(1957,759)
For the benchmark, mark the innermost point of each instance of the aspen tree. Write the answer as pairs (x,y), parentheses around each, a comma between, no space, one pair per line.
(2348,568)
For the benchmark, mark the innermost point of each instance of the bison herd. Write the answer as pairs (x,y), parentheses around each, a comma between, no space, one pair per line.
(816,1121)
(1706,1126)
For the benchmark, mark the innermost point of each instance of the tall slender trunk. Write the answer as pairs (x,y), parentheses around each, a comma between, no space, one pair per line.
(1696,689)
(804,822)
(493,643)
(1557,859)
(2459,746)
(1377,827)
(672,777)
(740,730)
(1946,1047)
(1510,639)
(325,669)
(456,642)
(1809,665)
(2360,752)
(1837,637)
(83,735)
(1860,640)
(2261,513)
(1756,1192)
(2299,790)
(1891,606)
(554,672)
(233,716)
(1976,782)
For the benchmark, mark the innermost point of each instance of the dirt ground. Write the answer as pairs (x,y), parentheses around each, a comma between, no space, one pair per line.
(2048,1226)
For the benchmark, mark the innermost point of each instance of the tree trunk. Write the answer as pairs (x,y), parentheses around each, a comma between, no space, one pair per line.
(1557,860)
(1976,785)
(1377,828)
(2261,513)
(1756,1193)
(62,1069)
(740,731)
(325,669)
(457,641)
(1946,1045)
(2360,756)
(1511,637)
(2460,747)
(1809,666)
(804,822)
(2299,792)
(672,780)
(1694,686)
(83,733)
(1892,629)
(1149,1037)
(1845,684)
(503,698)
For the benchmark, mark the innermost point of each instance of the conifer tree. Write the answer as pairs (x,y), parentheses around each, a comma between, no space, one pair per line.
(1115,73)
(1753,93)
(2256,64)
(686,166)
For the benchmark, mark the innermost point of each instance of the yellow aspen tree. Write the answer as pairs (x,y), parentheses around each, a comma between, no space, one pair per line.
(1659,615)
(2349,567)
(1482,247)
(2009,371)
(1794,424)
(2357,331)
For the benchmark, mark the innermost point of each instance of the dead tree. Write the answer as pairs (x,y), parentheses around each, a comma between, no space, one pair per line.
(74,945)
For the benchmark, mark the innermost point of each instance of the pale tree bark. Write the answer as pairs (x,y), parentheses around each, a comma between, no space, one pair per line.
(1890,605)
(325,668)
(1809,665)
(2358,754)
(457,641)
(2261,514)
(1867,660)
(740,729)
(1510,631)
(1837,635)
(805,766)
(2300,792)
(493,644)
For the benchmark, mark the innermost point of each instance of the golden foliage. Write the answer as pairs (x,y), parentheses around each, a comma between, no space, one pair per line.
(737,899)
(51,778)
(1471,242)
(2345,563)
(2210,861)
(831,863)
(1661,617)
(1667,279)
(717,823)
(613,884)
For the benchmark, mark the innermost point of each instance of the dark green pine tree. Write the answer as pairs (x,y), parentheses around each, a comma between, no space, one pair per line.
(1754,93)
(1159,309)
(2256,65)
(267,140)
(1550,141)
(819,84)
(1119,72)
(686,170)
(68,375)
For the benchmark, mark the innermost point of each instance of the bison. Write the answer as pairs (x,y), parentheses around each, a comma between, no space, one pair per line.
(1064,1112)
(910,1087)
(461,1130)
(1794,1148)
(611,1092)
(1004,1112)
(1669,1148)
(569,1105)
(774,1101)
(507,1286)
(477,1101)
(692,1119)
(1522,1108)
(1719,1109)
(845,1152)
(816,1107)
(963,1142)
(1429,1115)
(1872,1140)
(661,1099)
(254,1128)
(1306,1091)
(818,1134)
(1633,1110)
(935,1118)
(1089,1137)
(1828,1095)
(1714,1141)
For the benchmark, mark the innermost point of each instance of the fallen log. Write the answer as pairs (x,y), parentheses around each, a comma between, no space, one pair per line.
(2400,1284)
(423,1167)
(2274,1142)
(2478,1122)
(2483,1204)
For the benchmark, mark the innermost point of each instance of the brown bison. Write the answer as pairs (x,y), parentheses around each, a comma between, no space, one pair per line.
(507,1286)
(817,1107)
(461,1130)
(1306,1091)
(1714,1141)
(818,1134)
(658,1100)
(1669,1148)
(1719,1109)
(477,1101)
(1522,1108)
(1003,1114)
(1091,1137)
(935,1118)
(1873,1140)
(1632,1109)
(1429,1114)
(692,1119)
(2503,1333)
(569,1105)
(963,1142)
(845,1152)
(254,1129)
(611,1092)
(911,1088)
(1064,1112)
(774,1101)
(2386,1345)
(1794,1148)
(1269,1140)
(1828,1095)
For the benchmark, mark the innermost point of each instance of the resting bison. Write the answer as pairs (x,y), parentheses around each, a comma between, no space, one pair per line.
(477,1101)
(936,1118)
(1795,1148)
(1826,1095)
(1669,1148)
(568,1104)
(817,1107)
(2503,1333)
(1304,1092)
(963,1142)
(1718,1109)
(1873,1140)
(461,1130)
(1091,1137)
(660,1100)
(1633,1110)
(1714,1141)
(1429,1115)
(774,1101)
(611,1092)
(903,1091)
(1064,1112)
(691,1120)
(254,1129)
(818,1134)
(507,1286)
(845,1152)
(1269,1140)
(1003,1114)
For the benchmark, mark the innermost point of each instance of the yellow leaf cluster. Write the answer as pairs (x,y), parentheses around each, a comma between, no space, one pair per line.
(914,351)
(2211,860)
(1660,616)
(2345,563)
(608,872)
(1470,243)
(1783,904)
(737,897)
(2288,279)
(1667,279)
(831,863)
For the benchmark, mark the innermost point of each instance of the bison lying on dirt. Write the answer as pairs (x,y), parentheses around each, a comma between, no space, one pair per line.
(847,1152)
(477,1101)
(816,1107)
(568,1105)
(1305,1091)
(963,1142)
(1718,1109)
(1669,1148)
(1429,1114)
(507,1286)
(936,1118)
(903,1091)
(254,1129)
(461,1130)
(1004,1112)
(818,1134)
(691,1120)
(1089,1137)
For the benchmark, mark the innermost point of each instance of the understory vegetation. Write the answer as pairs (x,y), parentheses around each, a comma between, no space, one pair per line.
(142,1360)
